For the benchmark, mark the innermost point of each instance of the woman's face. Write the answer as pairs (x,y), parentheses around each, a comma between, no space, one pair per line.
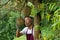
(28,21)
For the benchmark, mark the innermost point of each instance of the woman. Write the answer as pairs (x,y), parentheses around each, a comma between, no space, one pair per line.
(28,30)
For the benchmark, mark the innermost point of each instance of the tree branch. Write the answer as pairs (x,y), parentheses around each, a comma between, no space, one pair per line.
(5,3)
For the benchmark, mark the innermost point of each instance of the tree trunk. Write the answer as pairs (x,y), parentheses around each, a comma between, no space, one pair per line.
(37,2)
(37,20)
(26,11)
(37,31)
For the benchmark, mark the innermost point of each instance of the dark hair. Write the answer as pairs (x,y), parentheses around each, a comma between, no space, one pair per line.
(29,17)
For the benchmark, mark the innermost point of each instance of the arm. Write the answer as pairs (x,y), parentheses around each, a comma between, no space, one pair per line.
(18,26)
(18,34)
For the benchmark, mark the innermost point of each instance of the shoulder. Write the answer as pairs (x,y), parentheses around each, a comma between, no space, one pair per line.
(25,29)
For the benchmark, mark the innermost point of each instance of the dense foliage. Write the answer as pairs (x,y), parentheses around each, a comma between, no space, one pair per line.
(10,10)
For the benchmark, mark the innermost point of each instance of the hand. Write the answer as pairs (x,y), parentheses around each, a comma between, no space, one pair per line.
(17,33)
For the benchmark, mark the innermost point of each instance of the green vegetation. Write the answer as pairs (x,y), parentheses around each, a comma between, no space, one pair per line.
(21,38)
(49,15)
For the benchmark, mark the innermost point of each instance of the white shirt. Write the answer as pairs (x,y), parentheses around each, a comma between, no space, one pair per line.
(28,32)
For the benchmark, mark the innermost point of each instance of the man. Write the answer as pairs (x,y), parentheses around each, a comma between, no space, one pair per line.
(28,30)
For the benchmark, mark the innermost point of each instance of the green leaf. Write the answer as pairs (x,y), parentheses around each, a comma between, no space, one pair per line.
(2,2)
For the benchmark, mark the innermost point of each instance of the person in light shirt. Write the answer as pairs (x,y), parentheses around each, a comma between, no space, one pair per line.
(28,30)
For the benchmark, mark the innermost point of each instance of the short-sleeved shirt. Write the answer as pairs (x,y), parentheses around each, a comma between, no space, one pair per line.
(28,32)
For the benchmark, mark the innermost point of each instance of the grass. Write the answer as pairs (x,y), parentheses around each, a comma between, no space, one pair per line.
(20,38)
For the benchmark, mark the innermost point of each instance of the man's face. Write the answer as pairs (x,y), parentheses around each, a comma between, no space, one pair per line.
(28,21)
